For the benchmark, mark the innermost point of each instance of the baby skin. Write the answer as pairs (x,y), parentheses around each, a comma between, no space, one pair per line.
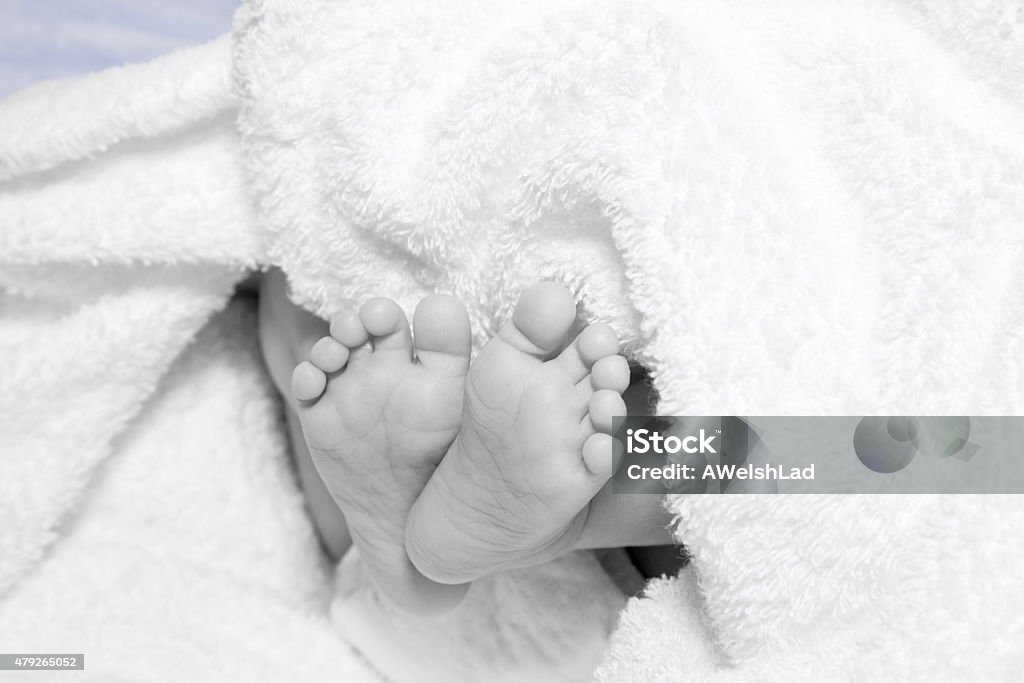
(447,471)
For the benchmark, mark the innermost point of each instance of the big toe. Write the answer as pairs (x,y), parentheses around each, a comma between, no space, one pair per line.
(542,319)
(442,333)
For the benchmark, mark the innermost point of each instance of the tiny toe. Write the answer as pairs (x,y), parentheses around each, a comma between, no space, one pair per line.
(442,330)
(542,319)
(329,355)
(380,316)
(308,382)
(385,320)
(604,405)
(610,372)
(596,342)
(347,328)
(600,451)
(593,343)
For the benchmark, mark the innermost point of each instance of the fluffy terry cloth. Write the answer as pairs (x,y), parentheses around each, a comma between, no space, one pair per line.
(148,517)
(110,265)
(795,208)
(190,557)
(786,208)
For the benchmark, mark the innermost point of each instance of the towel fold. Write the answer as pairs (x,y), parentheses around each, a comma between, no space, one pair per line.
(142,450)
(110,266)
(805,208)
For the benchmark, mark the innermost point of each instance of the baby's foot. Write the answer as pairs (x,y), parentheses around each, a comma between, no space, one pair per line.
(533,449)
(378,420)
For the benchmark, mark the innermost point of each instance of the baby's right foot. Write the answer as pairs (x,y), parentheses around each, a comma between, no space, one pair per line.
(533,450)
(377,422)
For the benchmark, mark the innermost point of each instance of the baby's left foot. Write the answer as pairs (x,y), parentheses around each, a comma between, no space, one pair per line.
(533,450)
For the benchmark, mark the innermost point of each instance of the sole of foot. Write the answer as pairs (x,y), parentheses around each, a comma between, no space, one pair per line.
(533,449)
(378,412)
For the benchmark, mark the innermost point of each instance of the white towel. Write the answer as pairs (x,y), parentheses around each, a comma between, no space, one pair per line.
(149,516)
(798,208)
(110,266)
(188,555)
(791,209)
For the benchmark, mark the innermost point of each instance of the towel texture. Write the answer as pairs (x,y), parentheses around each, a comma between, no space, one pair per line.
(806,208)
(189,555)
(109,266)
(132,469)
(800,208)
